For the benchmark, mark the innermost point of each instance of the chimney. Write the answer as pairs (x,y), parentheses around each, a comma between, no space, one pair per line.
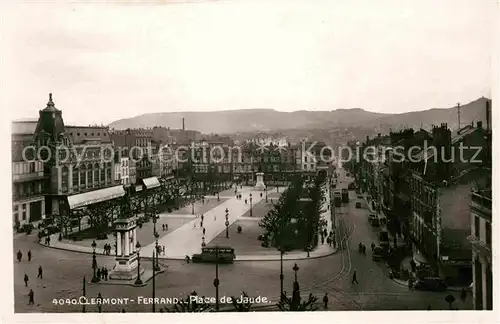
(479,124)
(488,115)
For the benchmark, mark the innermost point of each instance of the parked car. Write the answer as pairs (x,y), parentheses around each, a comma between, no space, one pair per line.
(378,253)
(431,284)
(358,204)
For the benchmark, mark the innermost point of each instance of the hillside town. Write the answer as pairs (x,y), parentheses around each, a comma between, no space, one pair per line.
(251,212)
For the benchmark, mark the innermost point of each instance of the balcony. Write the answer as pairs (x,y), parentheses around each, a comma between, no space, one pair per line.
(481,204)
(28,176)
(480,247)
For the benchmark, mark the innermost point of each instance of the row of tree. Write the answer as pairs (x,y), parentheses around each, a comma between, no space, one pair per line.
(294,222)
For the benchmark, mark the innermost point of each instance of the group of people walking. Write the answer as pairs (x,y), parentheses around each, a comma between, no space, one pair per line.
(31,294)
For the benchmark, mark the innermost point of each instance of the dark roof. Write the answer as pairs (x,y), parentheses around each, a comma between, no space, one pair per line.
(50,105)
(80,134)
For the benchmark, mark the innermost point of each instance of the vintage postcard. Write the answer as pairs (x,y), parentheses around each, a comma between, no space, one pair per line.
(248,156)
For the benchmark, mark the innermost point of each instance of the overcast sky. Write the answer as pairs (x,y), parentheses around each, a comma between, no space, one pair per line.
(104,62)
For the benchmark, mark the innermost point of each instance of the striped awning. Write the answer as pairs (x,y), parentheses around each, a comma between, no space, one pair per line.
(151,182)
(96,196)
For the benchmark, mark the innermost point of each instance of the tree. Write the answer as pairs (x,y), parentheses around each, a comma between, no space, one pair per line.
(450,299)
(294,304)
(241,306)
(187,306)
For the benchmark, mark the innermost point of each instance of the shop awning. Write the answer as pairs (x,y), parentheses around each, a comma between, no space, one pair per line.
(151,182)
(92,197)
(138,188)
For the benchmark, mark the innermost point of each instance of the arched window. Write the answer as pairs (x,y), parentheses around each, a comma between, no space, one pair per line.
(64,178)
(96,172)
(89,175)
(75,176)
(82,175)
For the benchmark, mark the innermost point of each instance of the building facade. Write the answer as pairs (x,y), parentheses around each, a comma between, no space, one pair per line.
(480,238)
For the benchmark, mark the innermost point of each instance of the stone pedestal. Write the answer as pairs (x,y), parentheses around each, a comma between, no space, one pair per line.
(127,258)
(260,186)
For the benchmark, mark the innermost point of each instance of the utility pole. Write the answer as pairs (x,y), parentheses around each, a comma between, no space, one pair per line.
(84,295)
(154,275)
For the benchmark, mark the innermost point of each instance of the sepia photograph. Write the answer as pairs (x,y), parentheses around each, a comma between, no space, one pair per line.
(228,156)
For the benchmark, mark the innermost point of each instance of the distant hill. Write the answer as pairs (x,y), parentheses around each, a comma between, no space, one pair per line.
(264,120)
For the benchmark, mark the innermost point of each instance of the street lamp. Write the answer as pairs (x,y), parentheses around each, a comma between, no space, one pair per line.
(156,235)
(94,263)
(295,269)
(216,280)
(281,273)
(250,205)
(138,281)
(227,223)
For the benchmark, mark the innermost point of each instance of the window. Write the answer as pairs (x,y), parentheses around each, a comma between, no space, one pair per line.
(24,206)
(75,177)
(32,167)
(24,215)
(16,208)
(488,234)
(78,134)
(477,227)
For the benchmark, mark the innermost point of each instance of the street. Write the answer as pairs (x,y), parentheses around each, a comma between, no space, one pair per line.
(63,272)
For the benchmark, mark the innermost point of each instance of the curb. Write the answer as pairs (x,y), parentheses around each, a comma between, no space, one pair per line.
(182,259)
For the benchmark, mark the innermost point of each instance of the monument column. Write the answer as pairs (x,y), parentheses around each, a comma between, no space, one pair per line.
(127,244)
(134,242)
(119,243)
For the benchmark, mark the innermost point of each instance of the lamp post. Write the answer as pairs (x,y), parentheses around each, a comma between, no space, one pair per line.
(94,263)
(156,235)
(216,280)
(281,273)
(295,269)
(265,189)
(138,281)
(227,223)
(250,205)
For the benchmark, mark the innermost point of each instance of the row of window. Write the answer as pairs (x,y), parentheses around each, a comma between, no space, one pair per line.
(27,167)
(477,231)
(27,189)
(91,134)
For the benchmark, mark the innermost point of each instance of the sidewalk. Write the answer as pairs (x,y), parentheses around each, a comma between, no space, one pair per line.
(186,240)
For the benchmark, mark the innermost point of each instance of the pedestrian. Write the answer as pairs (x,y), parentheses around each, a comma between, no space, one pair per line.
(410,283)
(31,296)
(19,256)
(26,280)
(373,246)
(322,239)
(215,217)
(163,249)
(106,274)
(98,273)
(463,294)
(163,227)
(201,224)
(99,302)
(40,272)
(103,273)
(48,240)
(354,278)
(202,217)
(245,201)
(166,227)
(325,301)
(203,230)
(261,195)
